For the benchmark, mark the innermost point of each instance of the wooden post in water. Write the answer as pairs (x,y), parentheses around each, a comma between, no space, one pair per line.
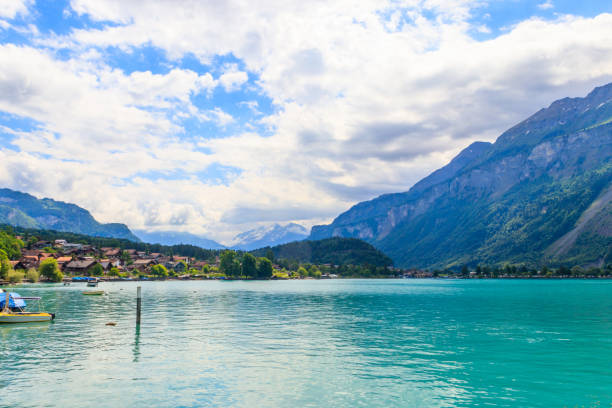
(138,304)
(6,304)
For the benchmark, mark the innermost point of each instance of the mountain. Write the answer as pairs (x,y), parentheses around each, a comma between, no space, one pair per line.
(542,193)
(25,210)
(174,238)
(269,236)
(336,251)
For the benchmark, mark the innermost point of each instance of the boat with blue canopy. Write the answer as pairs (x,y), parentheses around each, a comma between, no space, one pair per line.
(16,302)
(12,309)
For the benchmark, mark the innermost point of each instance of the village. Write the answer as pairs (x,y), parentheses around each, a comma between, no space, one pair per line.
(75,259)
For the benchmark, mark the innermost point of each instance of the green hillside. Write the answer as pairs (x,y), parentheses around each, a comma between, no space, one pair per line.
(517,228)
(335,251)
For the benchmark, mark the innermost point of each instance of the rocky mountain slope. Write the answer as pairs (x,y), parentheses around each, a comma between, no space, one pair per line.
(539,194)
(25,210)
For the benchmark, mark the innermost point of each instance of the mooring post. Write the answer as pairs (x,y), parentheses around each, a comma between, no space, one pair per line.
(6,302)
(138,303)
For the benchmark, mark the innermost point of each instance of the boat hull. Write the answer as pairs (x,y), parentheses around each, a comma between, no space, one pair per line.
(7,318)
(94,293)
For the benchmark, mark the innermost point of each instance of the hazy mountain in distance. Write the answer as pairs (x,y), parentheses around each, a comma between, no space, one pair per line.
(174,238)
(269,236)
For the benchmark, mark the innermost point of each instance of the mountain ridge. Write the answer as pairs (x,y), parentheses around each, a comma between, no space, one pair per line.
(25,210)
(446,219)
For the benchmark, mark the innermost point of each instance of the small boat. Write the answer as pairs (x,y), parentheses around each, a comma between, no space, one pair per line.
(94,293)
(92,283)
(13,310)
(25,317)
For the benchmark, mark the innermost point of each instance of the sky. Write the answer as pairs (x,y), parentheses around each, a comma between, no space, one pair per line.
(215,117)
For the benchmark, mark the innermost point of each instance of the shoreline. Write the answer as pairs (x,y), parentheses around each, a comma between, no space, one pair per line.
(536,278)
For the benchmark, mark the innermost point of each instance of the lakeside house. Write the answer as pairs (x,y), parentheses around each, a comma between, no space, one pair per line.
(111,252)
(62,261)
(143,264)
(199,264)
(79,267)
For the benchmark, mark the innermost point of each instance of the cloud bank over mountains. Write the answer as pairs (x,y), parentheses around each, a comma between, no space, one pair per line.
(215,117)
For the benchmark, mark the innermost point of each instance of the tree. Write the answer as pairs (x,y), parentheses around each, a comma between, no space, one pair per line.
(5,265)
(594,271)
(125,257)
(302,272)
(32,275)
(16,276)
(229,263)
(114,271)
(264,270)
(159,270)
(313,270)
(10,245)
(270,254)
(31,241)
(96,270)
(249,265)
(577,271)
(49,269)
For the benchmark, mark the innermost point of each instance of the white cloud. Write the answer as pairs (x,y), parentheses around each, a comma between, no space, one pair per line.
(364,104)
(232,79)
(252,106)
(222,118)
(11,8)
(547,5)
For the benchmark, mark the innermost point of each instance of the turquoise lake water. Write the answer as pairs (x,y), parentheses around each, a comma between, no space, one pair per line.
(329,343)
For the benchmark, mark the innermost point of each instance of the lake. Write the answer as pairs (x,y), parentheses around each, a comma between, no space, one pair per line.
(327,343)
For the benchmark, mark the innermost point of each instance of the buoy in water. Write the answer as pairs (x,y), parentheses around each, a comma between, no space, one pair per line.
(111,324)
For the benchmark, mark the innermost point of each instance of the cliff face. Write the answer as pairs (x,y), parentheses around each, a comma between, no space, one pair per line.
(509,201)
(25,210)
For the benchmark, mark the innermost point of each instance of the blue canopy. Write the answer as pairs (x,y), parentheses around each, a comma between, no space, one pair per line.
(83,279)
(14,300)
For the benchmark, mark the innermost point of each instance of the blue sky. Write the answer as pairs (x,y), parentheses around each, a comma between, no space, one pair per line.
(215,113)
